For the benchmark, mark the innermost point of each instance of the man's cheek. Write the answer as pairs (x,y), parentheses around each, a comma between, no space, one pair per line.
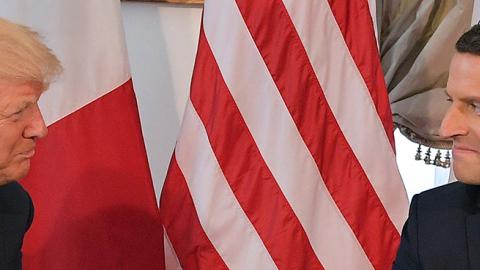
(6,154)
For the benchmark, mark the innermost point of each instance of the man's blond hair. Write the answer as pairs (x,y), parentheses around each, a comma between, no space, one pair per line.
(24,57)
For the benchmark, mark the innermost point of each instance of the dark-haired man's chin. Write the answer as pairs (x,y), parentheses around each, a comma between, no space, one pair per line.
(466,173)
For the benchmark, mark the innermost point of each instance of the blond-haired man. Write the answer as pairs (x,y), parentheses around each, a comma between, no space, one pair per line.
(27,67)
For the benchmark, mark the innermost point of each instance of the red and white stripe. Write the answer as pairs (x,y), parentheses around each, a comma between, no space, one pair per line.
(285,158)
(95,207)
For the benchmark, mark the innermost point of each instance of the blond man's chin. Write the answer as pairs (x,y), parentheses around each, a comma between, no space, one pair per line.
(14,172)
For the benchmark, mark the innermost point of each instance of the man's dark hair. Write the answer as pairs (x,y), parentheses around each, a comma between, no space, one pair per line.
(469,42)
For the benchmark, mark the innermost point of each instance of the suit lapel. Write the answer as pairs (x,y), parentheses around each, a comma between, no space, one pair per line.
(473,240)
(3,249)
(473,228)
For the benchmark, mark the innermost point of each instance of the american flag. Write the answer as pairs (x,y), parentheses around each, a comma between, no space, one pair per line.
(285,158)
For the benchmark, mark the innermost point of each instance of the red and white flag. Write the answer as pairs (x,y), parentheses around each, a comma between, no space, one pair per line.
(95,207)
(285,158)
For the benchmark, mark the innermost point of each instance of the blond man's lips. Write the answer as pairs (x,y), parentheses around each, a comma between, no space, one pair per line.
(28,154)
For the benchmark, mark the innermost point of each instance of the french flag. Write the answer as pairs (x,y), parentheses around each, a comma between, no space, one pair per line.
(95,205)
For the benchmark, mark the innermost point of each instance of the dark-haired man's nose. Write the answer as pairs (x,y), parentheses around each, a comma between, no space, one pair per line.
(453,123)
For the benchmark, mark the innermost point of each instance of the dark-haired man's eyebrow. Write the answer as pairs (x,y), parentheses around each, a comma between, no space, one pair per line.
(470,99)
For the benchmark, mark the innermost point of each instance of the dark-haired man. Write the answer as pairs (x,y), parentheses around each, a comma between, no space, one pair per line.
(443,227)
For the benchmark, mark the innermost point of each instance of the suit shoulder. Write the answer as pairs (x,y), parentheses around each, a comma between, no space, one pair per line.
(14,199)
(444,189)
(437,225)
(450,195)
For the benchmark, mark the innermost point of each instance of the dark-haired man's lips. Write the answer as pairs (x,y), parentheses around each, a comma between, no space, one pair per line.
(463,150)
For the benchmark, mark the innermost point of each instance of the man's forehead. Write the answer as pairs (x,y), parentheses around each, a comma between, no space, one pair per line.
(16,94)
(462,61)
(464,74)
(465,65)
(18,88)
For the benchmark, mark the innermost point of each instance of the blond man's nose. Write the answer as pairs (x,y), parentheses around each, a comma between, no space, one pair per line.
(36,127)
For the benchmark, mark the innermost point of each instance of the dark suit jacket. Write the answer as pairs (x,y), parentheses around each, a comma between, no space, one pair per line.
(442,230)
(16,214)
